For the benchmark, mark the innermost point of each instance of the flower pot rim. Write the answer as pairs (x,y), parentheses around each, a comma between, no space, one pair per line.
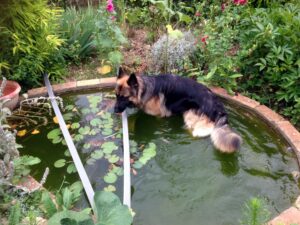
(16,91)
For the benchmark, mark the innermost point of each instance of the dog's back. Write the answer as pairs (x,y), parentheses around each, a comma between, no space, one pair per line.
(203,112)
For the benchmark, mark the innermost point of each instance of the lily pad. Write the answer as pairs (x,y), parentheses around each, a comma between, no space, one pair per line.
(84,130)
(110,178)
(95,122)
(71,168)
(110,188)
(90,161)
(97,154)
(113,158)
(107,131)
(53,133)
(69,107)
(109,147)
(75,126)
(78,137)
(60,163)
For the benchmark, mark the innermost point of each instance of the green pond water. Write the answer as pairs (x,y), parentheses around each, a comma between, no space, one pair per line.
(188,182)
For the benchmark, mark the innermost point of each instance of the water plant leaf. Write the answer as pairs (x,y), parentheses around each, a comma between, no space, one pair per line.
(21,133)
(84,130)
(113,158)
(87,145)
(109,209)
(85,111)
(75,126)
(60,163)
(35,131)
(68,116)
(95,122)
(97,154)
(137,165)
(117,170)
(53,133)
(109,147)
(110,188)
(71,168)
(110,178)
(69,107)
(148,154)
(78,137)
(67,153)
(107,131)
(90,161)
(57,140)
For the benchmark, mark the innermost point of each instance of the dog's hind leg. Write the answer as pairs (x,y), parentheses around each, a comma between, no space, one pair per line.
(200,125)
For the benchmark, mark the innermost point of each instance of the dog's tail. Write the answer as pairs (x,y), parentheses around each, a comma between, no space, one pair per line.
(225,139)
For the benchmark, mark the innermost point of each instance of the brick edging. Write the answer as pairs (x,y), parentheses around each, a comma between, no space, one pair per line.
(283,126)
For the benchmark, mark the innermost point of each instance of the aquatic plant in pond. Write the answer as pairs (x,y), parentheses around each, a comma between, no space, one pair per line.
(97,136)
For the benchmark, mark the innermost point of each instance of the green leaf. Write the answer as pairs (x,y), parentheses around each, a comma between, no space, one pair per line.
(113,159)
(97,154)
(107,131)
(95,122)
(15,214)
(71,168)
(54,133)
(48,204)
(115,57)
(84,130)
(110,188)
(110,178)
(69,107)
(60,163)
(109,147)
(57,140)
(110,210)
(77,216)
(68,116)
(90,161)
(75,126)
(78,137)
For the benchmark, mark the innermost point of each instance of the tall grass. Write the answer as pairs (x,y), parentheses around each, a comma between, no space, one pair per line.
(78,29)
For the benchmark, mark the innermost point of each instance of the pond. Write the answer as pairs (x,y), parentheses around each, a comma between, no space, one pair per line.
(185,181)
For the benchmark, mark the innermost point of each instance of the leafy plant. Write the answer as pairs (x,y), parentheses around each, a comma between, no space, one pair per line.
(109,210)
(109,37)
(64,199)
(28,40)
(78,29)
(269,41)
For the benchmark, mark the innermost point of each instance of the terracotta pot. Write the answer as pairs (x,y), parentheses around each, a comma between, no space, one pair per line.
(11,92)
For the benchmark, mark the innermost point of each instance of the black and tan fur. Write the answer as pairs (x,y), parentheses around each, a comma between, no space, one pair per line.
(166,95)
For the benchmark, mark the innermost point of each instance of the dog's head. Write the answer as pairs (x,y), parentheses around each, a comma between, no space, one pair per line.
(126,91)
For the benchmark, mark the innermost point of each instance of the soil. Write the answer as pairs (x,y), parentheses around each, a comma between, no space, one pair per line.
(136,58)
(137,53)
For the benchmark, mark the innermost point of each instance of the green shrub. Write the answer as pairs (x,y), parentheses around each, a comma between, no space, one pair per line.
(216,58)
(28,41)
(270,40)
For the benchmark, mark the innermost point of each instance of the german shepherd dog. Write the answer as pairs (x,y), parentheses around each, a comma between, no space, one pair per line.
(166,95)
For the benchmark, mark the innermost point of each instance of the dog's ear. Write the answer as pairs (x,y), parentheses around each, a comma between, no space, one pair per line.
(121,73)
(132,81)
